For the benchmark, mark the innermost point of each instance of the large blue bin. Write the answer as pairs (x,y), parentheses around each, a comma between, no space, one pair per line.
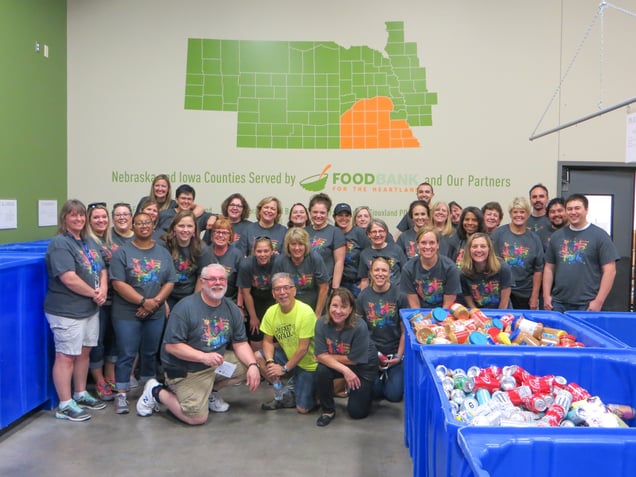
(610,374)
(414,438)
(26,349)
(620,325)
(498,452)
(37,246)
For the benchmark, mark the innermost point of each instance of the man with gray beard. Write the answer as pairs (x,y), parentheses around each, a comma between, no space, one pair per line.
(199,330)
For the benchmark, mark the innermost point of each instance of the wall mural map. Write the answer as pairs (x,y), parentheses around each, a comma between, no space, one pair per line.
(313,94)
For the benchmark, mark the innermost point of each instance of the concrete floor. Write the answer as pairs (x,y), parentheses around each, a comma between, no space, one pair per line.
(243,442)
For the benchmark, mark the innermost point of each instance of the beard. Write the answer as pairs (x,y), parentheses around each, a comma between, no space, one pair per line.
(215,293)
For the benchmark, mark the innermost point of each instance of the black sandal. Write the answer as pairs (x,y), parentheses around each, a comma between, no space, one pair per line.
(325,419)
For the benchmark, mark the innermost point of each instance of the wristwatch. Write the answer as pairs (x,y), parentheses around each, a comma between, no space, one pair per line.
(285,368)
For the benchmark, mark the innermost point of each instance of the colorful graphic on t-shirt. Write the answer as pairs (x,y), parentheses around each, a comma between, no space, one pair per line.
(317,243)
(486,293)
(146,270)
(573,251)
(304,281)
(460,257)
(337,347)
(515,255)
(184,268)
(216,332)
(430,291)
(381,314)
(349,246)
(411,251)
(262,282)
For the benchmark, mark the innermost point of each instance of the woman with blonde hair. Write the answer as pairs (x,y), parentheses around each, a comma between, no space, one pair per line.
(306,268)
(486,280)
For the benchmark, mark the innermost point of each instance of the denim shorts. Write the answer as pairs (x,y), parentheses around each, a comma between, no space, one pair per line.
(71,335)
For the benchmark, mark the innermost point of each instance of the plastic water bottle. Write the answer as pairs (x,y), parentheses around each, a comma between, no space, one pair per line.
(278,390)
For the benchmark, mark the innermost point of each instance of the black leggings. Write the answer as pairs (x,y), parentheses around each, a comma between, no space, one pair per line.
(359,402)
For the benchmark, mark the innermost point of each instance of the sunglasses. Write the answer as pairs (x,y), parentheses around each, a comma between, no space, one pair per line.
(94,205)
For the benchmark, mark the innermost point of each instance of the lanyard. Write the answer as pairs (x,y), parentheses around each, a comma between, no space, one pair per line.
(86,251)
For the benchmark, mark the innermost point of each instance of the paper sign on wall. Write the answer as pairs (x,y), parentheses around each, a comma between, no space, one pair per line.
(47,213)
(9,214)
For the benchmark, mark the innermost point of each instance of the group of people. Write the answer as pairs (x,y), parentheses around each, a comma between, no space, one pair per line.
(311,307)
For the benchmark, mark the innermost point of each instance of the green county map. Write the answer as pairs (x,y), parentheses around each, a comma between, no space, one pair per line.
(313,94)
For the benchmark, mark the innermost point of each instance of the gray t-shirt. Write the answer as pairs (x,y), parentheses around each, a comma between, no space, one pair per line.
(407,242)
(486,291)
(231,261)
(65,254)
(325,241)
(188,271)
(254,230)
(355,241)
(146,271)
(392,253)
(307,276)
(381,312)
(204,327)
(578,258)
(523,253)
(431,285)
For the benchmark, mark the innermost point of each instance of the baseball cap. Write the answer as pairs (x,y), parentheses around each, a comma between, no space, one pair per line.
(342,207)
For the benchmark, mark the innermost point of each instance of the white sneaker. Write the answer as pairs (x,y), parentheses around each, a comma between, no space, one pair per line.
(217,404)
(147,404)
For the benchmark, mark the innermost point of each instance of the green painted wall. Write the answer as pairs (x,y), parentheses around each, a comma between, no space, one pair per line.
(33,138)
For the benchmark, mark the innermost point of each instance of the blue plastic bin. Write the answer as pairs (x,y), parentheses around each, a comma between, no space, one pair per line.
(496,452)
(589,335)
(610,374)
(26,346)
(37,246)
(620,325)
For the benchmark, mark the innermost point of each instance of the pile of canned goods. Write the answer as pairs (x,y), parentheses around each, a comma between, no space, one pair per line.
(463,326)
(511,396)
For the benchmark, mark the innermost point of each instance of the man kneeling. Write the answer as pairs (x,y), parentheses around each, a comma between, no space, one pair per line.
(292,323)
(194,346)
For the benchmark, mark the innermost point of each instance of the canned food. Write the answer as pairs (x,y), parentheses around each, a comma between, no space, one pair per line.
(507,383)
(459,311)
(464,383)
(534,403)
(623,411)
(482,395)
(458,396)
(473,371)
(484,381)
(441,370)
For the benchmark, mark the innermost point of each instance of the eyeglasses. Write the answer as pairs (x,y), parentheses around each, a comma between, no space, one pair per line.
(282,288)
(238,206)
(221,232)
(214,279)
(377,232)
(94,205)
(143,224)
(122,215)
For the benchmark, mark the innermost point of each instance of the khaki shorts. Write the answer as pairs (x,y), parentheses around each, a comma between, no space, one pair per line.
(194,390)
(70,334)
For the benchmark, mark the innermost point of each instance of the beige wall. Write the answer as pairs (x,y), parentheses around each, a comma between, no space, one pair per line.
(494,64)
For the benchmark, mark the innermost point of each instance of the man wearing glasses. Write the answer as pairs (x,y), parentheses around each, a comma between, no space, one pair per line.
(194,348)
(292,323)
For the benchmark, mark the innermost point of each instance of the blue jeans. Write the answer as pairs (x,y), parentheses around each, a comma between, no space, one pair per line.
(353,287)
(561,307)
(301,380)
(136,336)
(106,348)
(391,386)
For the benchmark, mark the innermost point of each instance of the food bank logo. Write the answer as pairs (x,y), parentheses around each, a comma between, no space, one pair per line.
(359,182)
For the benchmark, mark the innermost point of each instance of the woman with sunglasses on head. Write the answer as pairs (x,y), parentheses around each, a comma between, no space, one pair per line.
(104,355)
(379,305)
(298,216)
(430,280)
(344,349)
(306,268)
(326,239)
(268,212)
(142,274)
(486,280)
(255,284)
(377,231)
(77,287)
(189,255)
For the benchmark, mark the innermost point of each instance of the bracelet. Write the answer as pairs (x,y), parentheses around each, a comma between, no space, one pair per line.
(253,363)
(143,300)
(268,361)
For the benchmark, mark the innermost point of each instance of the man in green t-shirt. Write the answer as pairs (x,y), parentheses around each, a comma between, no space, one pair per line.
(292,323)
